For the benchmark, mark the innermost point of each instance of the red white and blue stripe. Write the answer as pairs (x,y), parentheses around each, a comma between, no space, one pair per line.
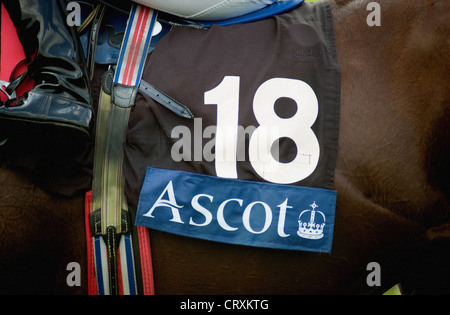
(136,45)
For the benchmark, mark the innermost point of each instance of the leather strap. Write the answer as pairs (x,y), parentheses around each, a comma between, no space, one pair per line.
(97,18)
(108,197)
(165,100)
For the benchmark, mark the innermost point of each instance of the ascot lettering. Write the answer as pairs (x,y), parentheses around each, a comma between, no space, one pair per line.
(237,212)
(202,210)
(220,217)
(247,213)
(168,201)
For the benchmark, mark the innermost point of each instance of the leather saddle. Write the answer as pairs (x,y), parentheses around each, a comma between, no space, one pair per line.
(112,19)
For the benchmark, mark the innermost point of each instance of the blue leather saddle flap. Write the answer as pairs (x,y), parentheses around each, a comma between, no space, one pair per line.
(115,22)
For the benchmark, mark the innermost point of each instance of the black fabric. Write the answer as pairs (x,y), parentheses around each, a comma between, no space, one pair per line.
(189,62)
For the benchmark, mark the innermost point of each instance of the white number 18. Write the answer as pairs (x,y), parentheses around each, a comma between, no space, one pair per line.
(272,127)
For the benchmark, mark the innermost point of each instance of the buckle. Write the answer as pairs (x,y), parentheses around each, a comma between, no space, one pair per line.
(3,85)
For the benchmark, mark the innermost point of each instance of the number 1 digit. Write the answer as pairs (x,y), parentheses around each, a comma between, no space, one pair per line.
(226,97)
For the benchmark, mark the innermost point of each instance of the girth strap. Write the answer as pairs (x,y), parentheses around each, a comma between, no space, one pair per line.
(109,211)
(109,219)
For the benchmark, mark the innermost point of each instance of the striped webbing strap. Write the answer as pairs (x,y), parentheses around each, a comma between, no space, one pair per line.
(111,227)
(136,44)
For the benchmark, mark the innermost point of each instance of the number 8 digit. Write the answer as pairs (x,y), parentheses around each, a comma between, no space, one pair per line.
(272,127)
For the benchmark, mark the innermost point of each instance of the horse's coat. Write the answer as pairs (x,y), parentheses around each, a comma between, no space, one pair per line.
(391,177)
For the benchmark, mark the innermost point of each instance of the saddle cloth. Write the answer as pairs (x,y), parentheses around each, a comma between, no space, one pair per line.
(226,76)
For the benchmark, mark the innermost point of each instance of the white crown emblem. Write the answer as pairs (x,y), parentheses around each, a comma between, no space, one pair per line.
(311,223)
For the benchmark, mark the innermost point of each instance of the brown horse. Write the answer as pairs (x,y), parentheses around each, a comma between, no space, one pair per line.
(392,182)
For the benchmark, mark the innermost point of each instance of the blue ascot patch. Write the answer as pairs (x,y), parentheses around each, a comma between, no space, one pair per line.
(237,212)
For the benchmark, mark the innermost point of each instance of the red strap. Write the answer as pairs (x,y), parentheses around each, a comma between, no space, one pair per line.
(146,261)
(92,281)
